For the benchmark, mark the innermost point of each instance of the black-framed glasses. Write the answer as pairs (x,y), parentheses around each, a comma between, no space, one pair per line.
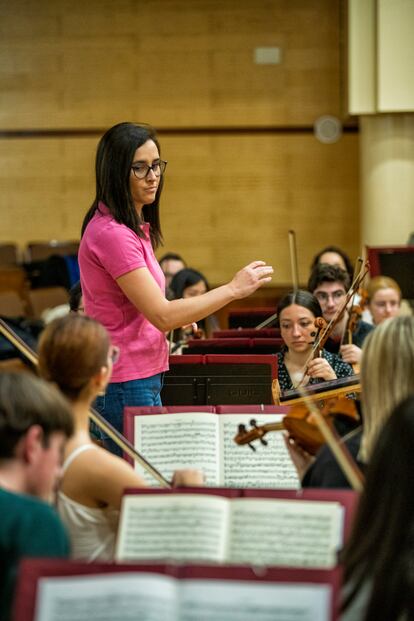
(142,170)
(323,296)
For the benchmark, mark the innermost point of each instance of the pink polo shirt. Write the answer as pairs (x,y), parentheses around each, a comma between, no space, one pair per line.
(107,251)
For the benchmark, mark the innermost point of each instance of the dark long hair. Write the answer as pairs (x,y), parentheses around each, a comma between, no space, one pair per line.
(341,253)
(114,158)
(301,298)
(381,549)
(187,277)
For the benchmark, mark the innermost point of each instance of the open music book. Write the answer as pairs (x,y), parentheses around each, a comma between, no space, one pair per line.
(204,440)
(79,592)
(230,526)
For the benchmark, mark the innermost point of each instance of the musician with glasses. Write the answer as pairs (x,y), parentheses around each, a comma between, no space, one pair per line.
(329,284)
(76,355)
(122,283)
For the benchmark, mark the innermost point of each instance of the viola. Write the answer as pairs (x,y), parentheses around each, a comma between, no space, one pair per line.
(301,425)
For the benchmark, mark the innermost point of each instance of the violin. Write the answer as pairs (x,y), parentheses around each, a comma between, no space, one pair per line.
(301,425)
(329,390)
(321,325)
(355,315)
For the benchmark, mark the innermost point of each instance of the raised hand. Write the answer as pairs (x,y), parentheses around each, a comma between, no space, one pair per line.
(250,278)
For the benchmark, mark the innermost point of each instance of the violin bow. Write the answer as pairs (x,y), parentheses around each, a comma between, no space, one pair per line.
(97,418)
(266,322)
(358,265)
(295,274)
(293,259)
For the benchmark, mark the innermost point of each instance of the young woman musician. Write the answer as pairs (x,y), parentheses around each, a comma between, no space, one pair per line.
(332,255)
(296,363)
(189,283)
(378,560)
(384,298)
(387,371)
(123,285)
(76,354)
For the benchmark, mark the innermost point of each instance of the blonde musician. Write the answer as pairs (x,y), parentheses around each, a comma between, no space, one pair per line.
(298,364)
(384,298)
(75,353)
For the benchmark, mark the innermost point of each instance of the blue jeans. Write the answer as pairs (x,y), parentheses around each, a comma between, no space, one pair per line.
(118,395)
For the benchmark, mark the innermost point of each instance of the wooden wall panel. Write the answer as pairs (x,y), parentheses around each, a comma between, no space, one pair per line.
(230,196)
(172,63)
(228,200)
(46,185)
(232,199)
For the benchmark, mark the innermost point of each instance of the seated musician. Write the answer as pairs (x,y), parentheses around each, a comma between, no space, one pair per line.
(171,263)
(384,298)
(329,284)
(35,422)
(190,283)
(387,371)
(332,255)
(75,353)
(297,364)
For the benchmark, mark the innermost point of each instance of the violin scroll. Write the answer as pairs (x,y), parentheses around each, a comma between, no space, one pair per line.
(320,323)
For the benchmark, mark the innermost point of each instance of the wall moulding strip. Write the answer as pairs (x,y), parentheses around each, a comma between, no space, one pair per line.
(91,132)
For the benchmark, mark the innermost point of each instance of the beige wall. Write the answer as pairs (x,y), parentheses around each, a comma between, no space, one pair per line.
(381,56)
(244,166)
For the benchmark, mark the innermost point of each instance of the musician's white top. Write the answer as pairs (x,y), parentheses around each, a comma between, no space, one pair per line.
(92,531)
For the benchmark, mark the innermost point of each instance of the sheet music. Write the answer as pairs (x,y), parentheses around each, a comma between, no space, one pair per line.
(285,532)
(107,597)
(268,466)
(179,527)
(156,597)
(173,441)
(214,600)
